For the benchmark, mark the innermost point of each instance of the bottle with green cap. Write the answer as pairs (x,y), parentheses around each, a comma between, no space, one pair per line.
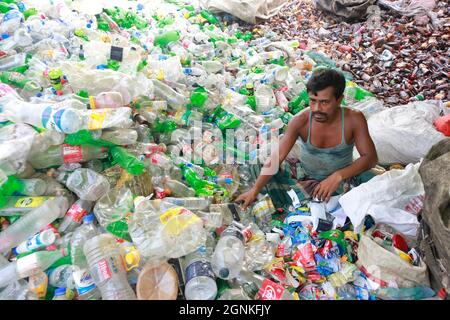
(55,75)
(19,80)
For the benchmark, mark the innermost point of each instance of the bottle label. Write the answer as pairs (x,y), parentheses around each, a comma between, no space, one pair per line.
(233,233)
(51,119)
(270,290)
(234,212)
(76,212)
(116,53)
(96,119)
(26,266)
(72,154)
(31,202)
(105,268)
(92,102)
(169,214)
(83,281)
(199,269)
(32,243)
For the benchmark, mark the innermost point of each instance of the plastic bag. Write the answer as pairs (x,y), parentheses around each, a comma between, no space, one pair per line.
(404,134)
(247,10)
(387,199)
(381,264)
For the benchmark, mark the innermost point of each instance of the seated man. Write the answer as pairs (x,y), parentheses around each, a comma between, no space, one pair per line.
(327,133)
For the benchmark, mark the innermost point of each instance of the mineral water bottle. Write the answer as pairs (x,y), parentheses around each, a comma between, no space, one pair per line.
(66,153)
(191,203)
(113,206)
(33,187)
(94,119)
(107,268)
(228,256)
(87,184)
(87,290)
(34,221)
(60,276)
(47,116)
(74,215)
(200,278)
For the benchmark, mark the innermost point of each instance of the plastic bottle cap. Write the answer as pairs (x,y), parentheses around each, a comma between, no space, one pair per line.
(60,291)
(131,259)
(89,217)
(224,272)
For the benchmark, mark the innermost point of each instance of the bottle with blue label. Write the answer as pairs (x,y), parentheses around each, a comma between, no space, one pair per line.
(200,279)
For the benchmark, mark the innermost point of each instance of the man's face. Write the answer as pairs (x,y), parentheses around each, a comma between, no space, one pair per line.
(323,104)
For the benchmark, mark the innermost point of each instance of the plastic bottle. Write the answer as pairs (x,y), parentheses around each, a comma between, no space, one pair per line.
(21,205)
(107,268)
(164,39)
(87,290)
(74,215)
(191,203)
(120,136)
(66,120)
(177,188)
(113,206)
(38,241)
(60,276)
(200,278)
(29,265)
(127,161)
(94,119)
(33,222)
(60,294)
(33,187)
(65,153)
(106,100)
(346,274)
(28,86)
(228,256)
(12,61)
(87,184)
(38,284)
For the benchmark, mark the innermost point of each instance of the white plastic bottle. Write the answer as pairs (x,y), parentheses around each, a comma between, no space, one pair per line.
(38,241)
(47,116)
(103,100)
(32,222)
(107,268)
(87,184)
(228,256)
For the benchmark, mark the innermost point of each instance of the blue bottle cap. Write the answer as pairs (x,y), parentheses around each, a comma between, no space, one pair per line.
(89,217)
(228,180)
(5,36)
(60,291)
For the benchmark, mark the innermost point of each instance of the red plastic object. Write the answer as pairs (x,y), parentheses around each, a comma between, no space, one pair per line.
(399,243)
(442,124)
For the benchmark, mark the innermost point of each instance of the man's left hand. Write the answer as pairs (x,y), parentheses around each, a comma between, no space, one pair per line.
(327,187)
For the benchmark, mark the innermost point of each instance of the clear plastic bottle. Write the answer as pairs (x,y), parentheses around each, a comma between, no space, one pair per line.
(107,268)
(60,276)
(65,153)
(74,215)
(31,223)
(113,206)
(33,187)
(120,136)
(94,119)
(191,203)
(87,290)
(228,256)
(87,184)
(200,278)
(106,100)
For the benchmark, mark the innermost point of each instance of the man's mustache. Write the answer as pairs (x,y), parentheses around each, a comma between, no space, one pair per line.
(319,114)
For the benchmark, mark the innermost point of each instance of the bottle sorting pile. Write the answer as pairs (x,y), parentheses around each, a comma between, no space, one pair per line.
(105,193)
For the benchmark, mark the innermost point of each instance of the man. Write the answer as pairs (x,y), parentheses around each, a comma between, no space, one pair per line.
(326,133)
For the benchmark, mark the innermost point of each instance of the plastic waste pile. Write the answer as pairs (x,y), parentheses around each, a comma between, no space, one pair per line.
(109,187)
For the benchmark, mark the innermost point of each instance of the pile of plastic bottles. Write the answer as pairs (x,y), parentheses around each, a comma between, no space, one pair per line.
(99,195)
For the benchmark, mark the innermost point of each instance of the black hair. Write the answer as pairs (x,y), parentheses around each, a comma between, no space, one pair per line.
(324,78)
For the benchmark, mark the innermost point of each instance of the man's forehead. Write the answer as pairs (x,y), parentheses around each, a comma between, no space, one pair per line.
(324,93)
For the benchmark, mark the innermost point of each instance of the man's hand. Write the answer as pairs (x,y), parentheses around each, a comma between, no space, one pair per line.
(325,188)
(247,198)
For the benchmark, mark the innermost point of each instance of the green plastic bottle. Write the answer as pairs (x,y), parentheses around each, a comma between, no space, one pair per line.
(162,40)
(84,137)
(4,7)
(19,80)
(199,97)
(165,126)
(127,161)
(209,16)
(299,103)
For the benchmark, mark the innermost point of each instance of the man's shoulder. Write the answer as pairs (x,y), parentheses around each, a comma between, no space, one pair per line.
(302,117)
(354,115)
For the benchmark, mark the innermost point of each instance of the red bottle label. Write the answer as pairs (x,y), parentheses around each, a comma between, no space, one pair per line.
(76,212)
(72,154)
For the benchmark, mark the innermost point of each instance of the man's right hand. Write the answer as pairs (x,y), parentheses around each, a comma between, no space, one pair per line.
(247,198)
